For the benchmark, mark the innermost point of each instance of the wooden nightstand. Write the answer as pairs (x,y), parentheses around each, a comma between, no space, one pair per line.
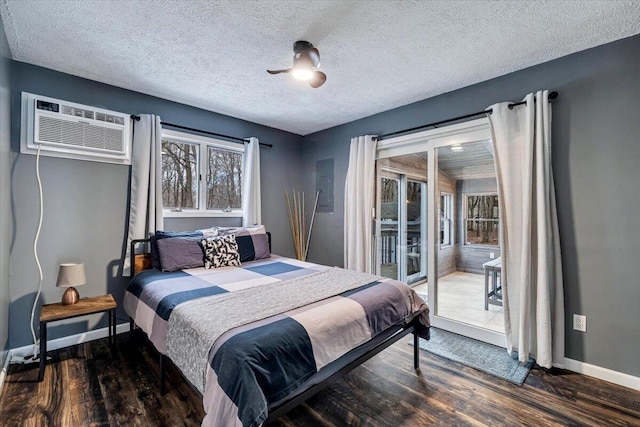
(58,311)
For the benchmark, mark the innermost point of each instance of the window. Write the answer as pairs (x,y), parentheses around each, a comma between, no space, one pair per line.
(224,179)
(446,219)
(179,175)
(201,176)
(481,219)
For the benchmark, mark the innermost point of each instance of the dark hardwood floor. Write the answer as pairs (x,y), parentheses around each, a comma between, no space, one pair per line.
(88,385)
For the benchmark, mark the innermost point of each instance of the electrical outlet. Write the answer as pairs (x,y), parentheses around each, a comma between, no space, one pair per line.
(492,255)
(580,323)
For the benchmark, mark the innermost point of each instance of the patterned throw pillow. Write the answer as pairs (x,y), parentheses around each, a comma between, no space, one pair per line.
(221,252)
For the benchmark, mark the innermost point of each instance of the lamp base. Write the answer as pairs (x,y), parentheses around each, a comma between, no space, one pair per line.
(70,296)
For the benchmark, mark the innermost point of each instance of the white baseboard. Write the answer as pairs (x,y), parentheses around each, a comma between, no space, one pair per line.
(70,340)
(5,369)
(605,374)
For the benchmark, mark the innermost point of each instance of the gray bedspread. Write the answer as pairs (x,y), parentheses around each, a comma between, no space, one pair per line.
(195,325)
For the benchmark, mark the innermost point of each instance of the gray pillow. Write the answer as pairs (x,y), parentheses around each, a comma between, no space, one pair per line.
(179,253)
(159,234)
(253,242)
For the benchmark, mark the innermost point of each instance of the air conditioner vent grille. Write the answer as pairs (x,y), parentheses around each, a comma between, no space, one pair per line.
(72,133)
(113,139)
(108,118)
(80,134)
(77,112)
(94,136)
(65,129)
(50,129)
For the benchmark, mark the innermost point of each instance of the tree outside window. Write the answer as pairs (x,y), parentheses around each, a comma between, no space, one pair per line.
(482,219)
(224,179)
(179,175)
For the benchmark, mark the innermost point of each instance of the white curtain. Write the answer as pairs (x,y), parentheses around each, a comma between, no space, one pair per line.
(533,296)
(251,204)
(145,207)
(358,204)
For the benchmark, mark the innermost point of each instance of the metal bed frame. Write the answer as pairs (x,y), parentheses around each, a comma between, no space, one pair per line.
(276,411)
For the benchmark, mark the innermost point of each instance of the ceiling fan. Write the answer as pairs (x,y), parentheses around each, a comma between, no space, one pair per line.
(306,61)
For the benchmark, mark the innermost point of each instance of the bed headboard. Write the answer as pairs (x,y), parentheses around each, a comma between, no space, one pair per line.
(142,261)
(139,261)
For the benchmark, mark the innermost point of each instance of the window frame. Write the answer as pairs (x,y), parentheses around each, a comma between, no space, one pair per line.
(466,218)
(203,143)
(451,211)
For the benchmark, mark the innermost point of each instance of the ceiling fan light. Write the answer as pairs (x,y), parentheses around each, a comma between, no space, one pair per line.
(302,74)
(306,61)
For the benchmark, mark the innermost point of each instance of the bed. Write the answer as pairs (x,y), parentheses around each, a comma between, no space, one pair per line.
(257,339)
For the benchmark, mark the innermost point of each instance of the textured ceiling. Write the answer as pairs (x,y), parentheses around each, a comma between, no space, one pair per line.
(377,54)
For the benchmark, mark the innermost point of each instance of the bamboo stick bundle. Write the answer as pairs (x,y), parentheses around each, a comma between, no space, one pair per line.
(297,207)
(313,216)
(301,219)
(300,233)
(296,200)
(302,225)
(296,224)
(291,226)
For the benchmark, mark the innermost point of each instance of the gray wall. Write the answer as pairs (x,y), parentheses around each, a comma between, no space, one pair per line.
(5,189)
(86,202)
(596,159)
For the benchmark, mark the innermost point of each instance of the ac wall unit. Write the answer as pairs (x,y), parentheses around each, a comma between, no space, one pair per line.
(74,131)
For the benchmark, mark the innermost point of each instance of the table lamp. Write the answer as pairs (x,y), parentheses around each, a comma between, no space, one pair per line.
(70,275)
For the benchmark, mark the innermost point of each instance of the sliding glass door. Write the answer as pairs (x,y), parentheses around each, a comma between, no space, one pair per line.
(437,218)
(416,231)
(401,228)
(467,291)
(389,229)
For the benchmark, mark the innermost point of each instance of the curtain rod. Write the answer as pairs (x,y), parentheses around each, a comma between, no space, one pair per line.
(552,95)
(206,132)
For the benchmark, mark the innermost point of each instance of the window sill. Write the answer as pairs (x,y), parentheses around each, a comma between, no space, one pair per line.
(202,214)
(481,247)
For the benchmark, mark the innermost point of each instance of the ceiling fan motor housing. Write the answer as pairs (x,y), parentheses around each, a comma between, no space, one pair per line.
(305,55)
(300,46)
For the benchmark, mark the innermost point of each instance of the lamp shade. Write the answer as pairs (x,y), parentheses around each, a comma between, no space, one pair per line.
(71,275)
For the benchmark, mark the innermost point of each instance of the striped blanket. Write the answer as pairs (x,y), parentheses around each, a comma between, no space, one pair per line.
(248,336)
